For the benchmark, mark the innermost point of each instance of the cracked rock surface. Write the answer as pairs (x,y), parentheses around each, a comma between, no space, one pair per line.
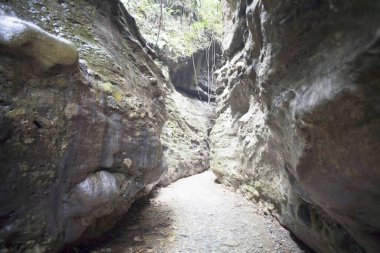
(79,140)
(298,116)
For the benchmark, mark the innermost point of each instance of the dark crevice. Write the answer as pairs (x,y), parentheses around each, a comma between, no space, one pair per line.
(37,124)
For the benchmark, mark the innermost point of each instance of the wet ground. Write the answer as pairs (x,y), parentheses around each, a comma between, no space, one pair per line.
(196,214)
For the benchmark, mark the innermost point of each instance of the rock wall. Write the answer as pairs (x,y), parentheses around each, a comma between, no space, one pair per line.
(298,122)
(79,139)
(185,137)
(194,75)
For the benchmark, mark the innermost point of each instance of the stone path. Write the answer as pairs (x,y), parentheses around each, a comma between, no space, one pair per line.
(196,214)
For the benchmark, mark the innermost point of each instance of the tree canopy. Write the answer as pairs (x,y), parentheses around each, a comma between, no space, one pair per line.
(179,27)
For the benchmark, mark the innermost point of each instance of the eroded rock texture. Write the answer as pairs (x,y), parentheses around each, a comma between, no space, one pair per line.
(298,120)
(79,140)
(185,137)
(194,75)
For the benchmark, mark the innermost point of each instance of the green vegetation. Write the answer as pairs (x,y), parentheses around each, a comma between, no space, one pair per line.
(178,27)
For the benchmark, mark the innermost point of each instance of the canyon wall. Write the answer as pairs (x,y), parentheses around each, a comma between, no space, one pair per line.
(185,137)
(80,121)
(298,125)
(89,119)
(89,122)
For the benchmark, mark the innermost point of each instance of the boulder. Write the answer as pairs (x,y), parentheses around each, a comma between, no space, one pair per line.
(25,39)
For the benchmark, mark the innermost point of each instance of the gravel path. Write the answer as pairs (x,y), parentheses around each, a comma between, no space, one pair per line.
(196,214)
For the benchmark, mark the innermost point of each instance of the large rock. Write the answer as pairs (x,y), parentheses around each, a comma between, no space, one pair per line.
(79,140)
(26,39)
(298,120)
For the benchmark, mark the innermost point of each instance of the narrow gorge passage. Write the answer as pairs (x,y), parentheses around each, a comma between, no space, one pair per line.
(102,102)
(196,214)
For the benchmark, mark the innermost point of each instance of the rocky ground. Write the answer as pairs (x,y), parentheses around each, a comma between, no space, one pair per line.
(196,214)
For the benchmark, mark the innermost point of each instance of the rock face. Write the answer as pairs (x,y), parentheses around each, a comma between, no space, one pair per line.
(298,116)
(79,140)
(185,137)
(194,75)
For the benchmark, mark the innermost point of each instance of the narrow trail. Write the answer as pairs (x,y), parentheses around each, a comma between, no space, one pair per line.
(196,214)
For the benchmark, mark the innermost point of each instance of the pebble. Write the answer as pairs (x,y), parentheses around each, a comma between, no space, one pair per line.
(231,244)
(171,238)
(138,238)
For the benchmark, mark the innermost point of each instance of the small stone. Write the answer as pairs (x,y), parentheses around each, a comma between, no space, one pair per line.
(127,163)
(107,86)
(71,110)
(153,81)
(171,238)
(231,243)
(132,115)
(255,195)
(138,238)
(29,140)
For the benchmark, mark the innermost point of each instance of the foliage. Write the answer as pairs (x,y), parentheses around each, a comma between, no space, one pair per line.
(186,24)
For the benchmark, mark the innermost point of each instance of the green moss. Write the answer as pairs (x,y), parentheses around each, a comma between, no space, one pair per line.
(106,87)
(185,25)
(111,90)
(15,113)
